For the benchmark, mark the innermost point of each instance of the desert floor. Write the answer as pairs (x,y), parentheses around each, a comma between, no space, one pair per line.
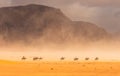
(60,68)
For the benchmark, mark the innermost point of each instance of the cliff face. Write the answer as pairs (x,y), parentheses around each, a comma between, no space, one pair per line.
(38,22)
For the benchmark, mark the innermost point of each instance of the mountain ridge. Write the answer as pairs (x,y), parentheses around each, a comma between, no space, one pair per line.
(46,24)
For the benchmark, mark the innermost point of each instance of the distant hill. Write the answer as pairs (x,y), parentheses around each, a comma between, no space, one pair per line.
(46,24)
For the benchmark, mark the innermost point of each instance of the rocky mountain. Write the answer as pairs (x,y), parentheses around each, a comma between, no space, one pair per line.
(43,23)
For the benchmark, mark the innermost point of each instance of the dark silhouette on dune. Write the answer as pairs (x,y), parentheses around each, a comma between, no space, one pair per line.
(96,58)
(76,59)
(40,58)
(35,58)
(23,58)
(62,58)
(87,58)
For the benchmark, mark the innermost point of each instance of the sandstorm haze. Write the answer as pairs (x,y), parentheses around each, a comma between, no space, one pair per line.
(90,27)
(104,13)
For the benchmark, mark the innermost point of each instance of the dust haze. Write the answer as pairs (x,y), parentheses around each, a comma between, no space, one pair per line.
(63,41)
(106,50)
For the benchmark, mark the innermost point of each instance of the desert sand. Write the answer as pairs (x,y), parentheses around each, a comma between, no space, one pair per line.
(58,68)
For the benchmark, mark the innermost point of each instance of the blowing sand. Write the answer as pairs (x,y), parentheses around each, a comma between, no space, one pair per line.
(61,68)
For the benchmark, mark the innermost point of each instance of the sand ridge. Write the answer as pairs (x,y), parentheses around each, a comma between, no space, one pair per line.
(60,68)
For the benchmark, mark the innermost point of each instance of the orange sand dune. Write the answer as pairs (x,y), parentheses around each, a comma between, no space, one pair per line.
(45,68)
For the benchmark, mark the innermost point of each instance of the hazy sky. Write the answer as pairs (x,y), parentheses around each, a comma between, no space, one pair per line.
(105,13)
(5,2)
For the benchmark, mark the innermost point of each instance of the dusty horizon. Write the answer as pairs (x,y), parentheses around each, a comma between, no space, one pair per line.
(98,12)
(104,51)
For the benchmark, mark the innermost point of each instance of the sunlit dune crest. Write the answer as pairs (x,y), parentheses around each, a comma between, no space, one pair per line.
(61,68)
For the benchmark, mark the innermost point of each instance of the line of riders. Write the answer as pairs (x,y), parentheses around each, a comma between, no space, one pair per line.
(62,58)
